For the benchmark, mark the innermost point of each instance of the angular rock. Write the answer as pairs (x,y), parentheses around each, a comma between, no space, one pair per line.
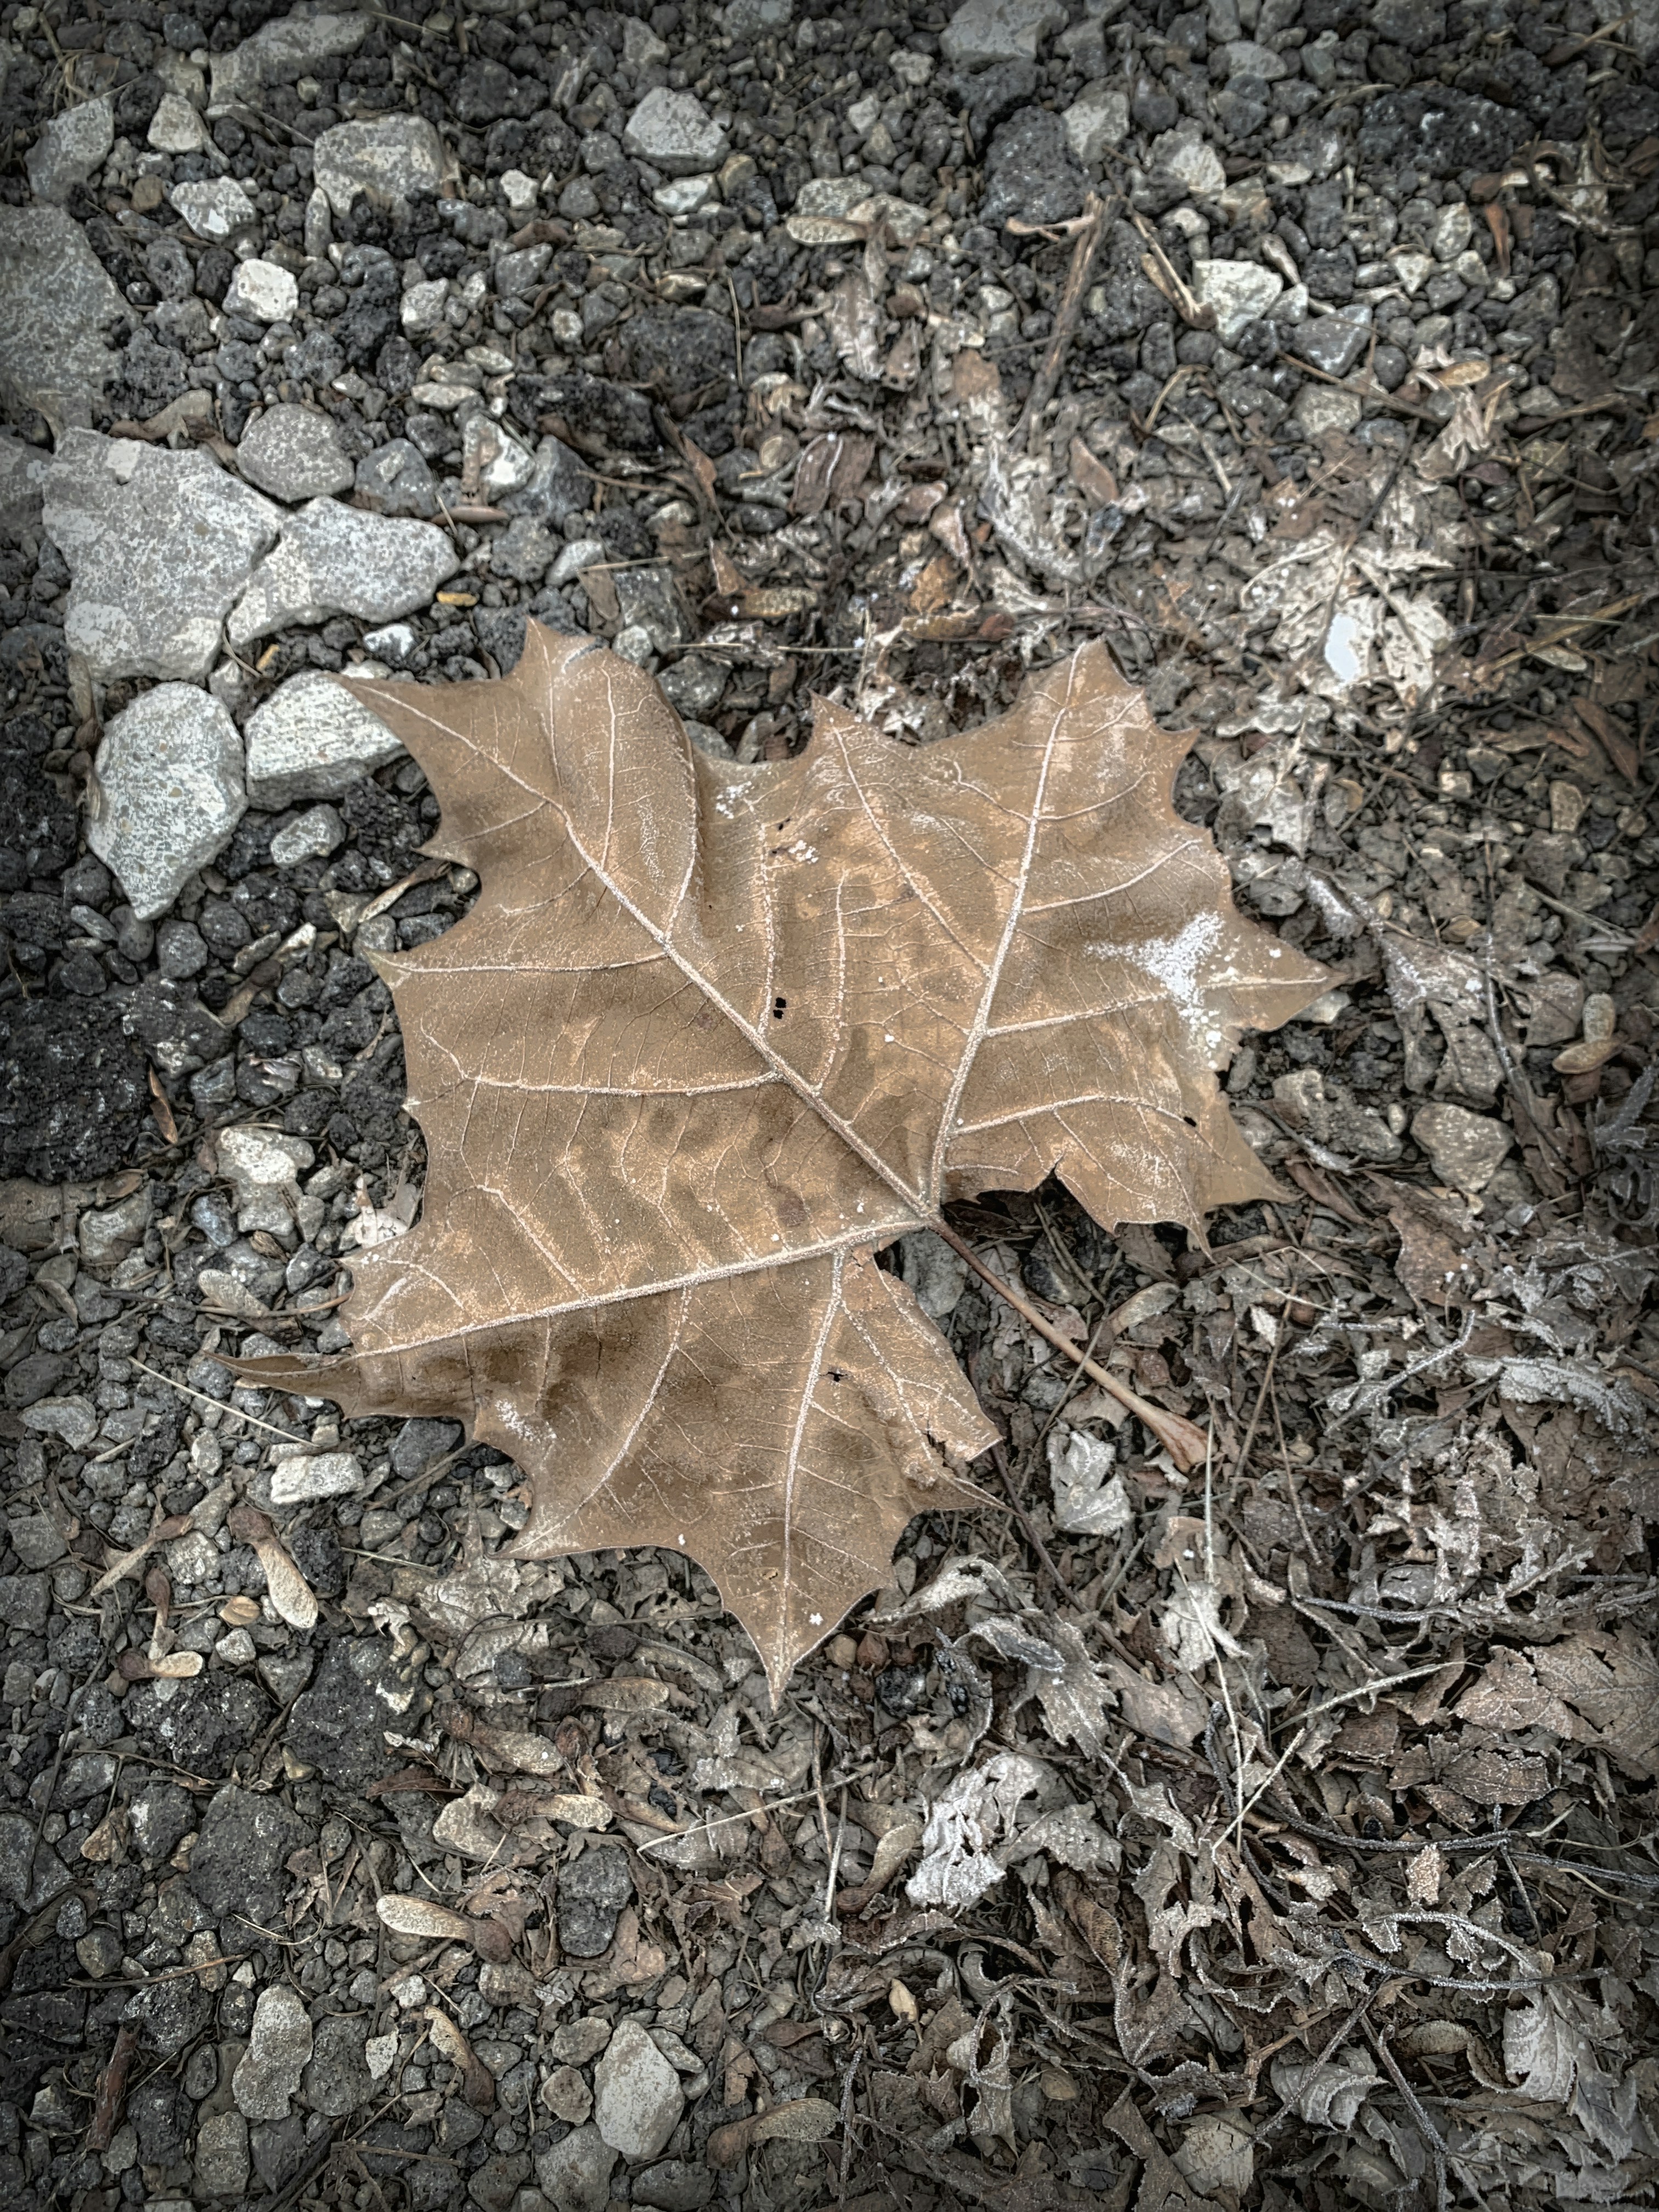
(56,302)
(294,454)
(396,477)
(338,1725)
(675,132)
(215,208)
(74,1420)
(392,159)
(336,559)
(313,836)
(221,2155)
(1332,343)
(72,145)
(201,1726)
(674,2187)
(22,473)
(322,1474)
(1438,132)
(559,487)
(178,1033)
(175,127)
(1097,122)
(267,2080)
(312,739)
(418,1443)
(159,546)
(1465,1150)
(263,291)
(1186,155)
(236,1863)
(574,2175)
(1241,292)
(637,2100)
(999,31)
(282,51)
(337,2080)
(170,793)
(593,1891)
(1031,170)
(260,1165)
(748,19)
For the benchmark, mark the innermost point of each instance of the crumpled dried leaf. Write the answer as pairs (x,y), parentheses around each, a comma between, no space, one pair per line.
(448,2040)
(964,1821)
(1324,2092)
(804,2119)
(712,1035)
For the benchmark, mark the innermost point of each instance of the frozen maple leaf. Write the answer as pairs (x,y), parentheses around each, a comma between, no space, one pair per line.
(712,1037)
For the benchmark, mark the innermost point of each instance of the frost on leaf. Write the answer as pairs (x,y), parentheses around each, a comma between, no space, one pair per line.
(714,1035)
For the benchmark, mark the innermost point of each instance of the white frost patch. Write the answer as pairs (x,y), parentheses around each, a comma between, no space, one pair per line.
(1348,642)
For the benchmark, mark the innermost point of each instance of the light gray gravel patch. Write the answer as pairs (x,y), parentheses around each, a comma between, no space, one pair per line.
(169,792)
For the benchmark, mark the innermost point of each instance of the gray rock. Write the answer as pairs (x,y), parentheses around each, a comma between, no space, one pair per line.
(1031,170)
(176,127)
(169,785)
(56,302)
(650,600)
(108,1234)
(312,739)
(72,145)
(1464,1149)
(236,1864)
(999,31)
(215,208)
(393,159)
(337,2079)
(162,1816)
(313,836)
(74,1420)
(25,1600)
(1244,58)
(694,686)
(337,560)
(1187,155)
(1241,292)
(675,132)
(338,1726)
(181,950)
(559,487)
(418,1443)
(37,1540)
(159,544)
(1097,123)
(22,477)
(396,477)
(673,2186)
(756,19)
(261,1165)
(283,49)
(221,2156)
(1332,343)
(637,2098)
(267,2080)
(524,551)
(574,2176)
(593,1891)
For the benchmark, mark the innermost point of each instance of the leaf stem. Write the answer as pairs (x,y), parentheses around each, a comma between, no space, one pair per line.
(1185,1442)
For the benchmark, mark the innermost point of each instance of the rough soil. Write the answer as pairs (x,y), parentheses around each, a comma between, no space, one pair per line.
(1280,1835)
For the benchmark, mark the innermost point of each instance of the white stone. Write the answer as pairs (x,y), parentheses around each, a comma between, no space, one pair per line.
(56,301)
(911,69)
(1321,407)
(581,553)
(675,132)
(168,792)
(756,19)
(312,739)
(637,2100)
(1413,270)
(263,291)
(1241,292)
(1189,158)
(393,158)
(71,147)
(261,1167)
(1453,227)
(279,2048)
(685,195)
(296,1480)
(518,190)
(1097,123)
(160,545)
(222,2159)
(337,560)
(216,210)
(175,127)
(424,306)
(999,31)
(313,836)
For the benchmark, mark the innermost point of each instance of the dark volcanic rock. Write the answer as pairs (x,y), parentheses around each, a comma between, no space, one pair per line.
(338,1725)
(236,1865)
(592,1893)
(74,1103)
(202,1724)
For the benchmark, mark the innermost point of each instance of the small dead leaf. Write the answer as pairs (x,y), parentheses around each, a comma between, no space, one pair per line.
(803,2120)
(286,1586)
(448,2040)
(705,1356)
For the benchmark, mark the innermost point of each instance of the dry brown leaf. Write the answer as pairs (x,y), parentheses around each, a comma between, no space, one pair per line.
(712,1035)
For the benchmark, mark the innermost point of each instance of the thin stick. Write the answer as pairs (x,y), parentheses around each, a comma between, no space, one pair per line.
(1065,318)
(202,1397)
(1184,1441)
